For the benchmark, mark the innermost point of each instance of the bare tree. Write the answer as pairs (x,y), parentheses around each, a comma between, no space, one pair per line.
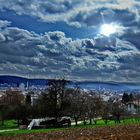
(53,101)
(94,107)
(77,108)
(9,102)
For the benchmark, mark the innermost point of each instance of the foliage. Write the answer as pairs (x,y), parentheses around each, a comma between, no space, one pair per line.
(127,97)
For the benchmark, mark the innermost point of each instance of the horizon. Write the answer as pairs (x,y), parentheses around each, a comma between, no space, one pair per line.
(87,85)
(78,81)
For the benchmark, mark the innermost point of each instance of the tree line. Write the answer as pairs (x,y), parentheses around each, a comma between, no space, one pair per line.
(58,101)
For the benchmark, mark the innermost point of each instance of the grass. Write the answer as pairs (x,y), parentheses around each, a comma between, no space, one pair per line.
(11,125)
(16,132)
(110,123)
(8,124)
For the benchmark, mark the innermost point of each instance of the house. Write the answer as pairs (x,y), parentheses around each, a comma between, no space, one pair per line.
(132,108)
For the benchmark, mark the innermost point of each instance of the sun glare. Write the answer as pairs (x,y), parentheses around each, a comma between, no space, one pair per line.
(108,29)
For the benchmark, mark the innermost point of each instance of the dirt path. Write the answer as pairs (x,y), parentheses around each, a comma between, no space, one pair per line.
(1,131)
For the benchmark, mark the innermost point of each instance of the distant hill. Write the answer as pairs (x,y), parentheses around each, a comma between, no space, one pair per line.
(109,86)
(18,80)
(15,80)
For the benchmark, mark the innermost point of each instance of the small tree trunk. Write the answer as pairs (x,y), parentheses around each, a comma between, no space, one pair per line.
(105,121)
(2,122)
(84,121)
(76,121)
(18,122)
(90,121)
(95,121)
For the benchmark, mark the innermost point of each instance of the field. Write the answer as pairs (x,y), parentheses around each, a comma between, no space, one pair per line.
(119,132)
(129,129)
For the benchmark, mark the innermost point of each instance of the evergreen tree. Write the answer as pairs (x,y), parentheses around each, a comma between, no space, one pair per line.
(131,97)
(125,98)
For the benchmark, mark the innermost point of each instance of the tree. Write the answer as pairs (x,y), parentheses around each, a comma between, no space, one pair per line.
(116,112)
(53,102)
(94,106)
(4,113)
(10,100)
(18,112)
(125,98)
(131,97)
(12,97)
(106,112)
(28,99)
(77,107)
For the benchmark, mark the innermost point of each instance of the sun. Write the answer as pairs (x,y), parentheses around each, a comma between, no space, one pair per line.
(108,29)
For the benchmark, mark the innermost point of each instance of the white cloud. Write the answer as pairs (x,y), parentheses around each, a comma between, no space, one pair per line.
(53,54)
(4,23)
(74,12)
(2,37)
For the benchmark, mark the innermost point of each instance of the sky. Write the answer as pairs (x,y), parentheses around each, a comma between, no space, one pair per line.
(64,38)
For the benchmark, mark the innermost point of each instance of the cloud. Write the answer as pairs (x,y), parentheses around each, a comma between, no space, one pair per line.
(53,54)
(4,23)
(2,37)
(75,12)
